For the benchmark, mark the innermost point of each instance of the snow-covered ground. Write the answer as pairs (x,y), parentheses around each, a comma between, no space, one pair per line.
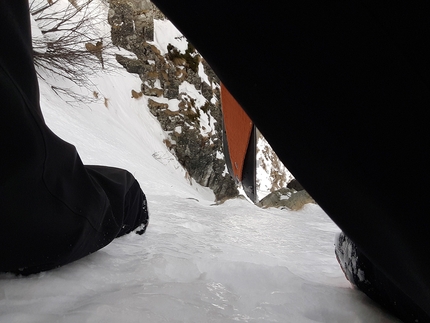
(197,262)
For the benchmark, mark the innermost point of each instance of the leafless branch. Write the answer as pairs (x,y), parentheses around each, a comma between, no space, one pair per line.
(71,46)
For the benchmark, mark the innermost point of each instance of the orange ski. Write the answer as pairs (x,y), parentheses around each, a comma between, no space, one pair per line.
(239,143)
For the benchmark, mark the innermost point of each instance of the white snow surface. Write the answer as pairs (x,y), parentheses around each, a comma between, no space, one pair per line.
(165,33)
(197,262)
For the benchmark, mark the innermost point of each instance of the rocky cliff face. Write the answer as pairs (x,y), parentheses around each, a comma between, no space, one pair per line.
(184,95)
(272,175)
(183,90)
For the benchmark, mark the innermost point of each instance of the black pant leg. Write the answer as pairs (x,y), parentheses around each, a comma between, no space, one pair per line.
(341,90)
(128,201)
(136,211)
(52,209)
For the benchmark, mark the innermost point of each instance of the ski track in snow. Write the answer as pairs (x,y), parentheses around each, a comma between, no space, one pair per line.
(197,262)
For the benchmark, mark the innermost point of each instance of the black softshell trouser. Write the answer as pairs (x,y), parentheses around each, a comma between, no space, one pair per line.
(341,91)
(53,209)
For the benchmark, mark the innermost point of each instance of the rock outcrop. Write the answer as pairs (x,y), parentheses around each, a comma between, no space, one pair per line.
(286,198)
(272,174)
(193,125)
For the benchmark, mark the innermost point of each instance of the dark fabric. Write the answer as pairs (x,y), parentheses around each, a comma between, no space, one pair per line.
(360,271)
(128,202)
(53,210)
(340,89)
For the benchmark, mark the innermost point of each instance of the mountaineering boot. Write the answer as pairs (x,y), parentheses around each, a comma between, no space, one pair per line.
(366,277)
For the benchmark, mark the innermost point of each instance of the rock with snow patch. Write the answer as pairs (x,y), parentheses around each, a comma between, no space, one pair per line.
(193,124)
(295,185)
(286,198)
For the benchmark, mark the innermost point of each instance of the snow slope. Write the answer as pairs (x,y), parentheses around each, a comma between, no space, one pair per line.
(197,262)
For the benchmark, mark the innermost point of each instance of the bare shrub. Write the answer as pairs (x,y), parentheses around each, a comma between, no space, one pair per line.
(71,45)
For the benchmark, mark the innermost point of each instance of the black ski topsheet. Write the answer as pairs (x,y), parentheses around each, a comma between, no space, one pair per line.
(340,89)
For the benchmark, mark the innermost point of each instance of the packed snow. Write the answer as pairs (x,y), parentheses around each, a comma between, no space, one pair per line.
(197,262)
